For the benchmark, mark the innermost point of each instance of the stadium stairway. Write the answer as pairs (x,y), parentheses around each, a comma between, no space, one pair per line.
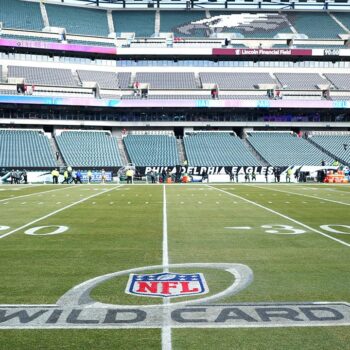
(110,22)
(59,162)
(122,150)
(44,14)
(181,150)
(342,161)
(255,153)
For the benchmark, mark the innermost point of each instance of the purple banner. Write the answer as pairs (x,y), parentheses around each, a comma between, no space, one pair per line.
(57,46)
(89,101)
(262,52)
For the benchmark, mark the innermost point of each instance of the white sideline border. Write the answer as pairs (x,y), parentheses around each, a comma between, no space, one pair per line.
(300,194)
(283,216)
(35,193)
(57,211)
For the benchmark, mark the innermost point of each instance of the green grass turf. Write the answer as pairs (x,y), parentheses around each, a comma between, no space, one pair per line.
(122,229)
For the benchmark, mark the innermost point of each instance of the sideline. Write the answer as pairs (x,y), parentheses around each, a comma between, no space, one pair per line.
(283,216)
(301,194)
(56,212)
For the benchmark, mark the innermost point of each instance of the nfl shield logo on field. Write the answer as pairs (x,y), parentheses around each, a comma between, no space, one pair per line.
(167,284)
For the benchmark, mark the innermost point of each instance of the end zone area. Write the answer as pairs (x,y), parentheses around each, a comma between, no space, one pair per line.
(295,240)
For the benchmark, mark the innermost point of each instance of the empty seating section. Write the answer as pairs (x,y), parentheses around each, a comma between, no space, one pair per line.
(124,79)
(21,14)
(340,81)
(152,150)
(26,37)
(217,149)
(78,20)
(315,25)
(91,43)
(227,81)
(167,80)
(139,22)
(89,149)
(344,18)
(106,80)
(338,145)
(181,23)
(250,25)
(285,149)
(25,149)
(301,81)
(43,76)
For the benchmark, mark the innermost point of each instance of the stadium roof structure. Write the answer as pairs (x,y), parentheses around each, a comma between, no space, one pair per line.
(341,5)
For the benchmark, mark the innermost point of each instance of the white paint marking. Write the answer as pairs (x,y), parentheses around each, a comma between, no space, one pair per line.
(166,329)
(333,230)
(54,213)
(3,228)
(32,194)
(33,231)
(304,195)
(239,228)
(284,216)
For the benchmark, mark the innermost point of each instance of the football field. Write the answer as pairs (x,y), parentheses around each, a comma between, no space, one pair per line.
(190,266)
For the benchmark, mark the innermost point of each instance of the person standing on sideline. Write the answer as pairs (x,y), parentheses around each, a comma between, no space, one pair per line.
(89,176)
(65,177)
(25,176)
(70,178)
(55,175)
(74,176)
(129,176)
(289,175)
(78,177)
(253,176)
(164,175)
(103,176)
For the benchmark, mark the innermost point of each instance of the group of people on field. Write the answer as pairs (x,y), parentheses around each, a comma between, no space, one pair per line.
(75,176)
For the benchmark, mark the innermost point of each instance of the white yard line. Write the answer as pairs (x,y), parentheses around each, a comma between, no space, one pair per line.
(166,329)
(34,193)
(301,194)
(283,216)
(56,212)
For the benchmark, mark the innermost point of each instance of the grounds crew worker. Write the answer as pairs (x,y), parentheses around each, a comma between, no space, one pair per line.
(65,177)
(55,175)
(129,174)
(89,176)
